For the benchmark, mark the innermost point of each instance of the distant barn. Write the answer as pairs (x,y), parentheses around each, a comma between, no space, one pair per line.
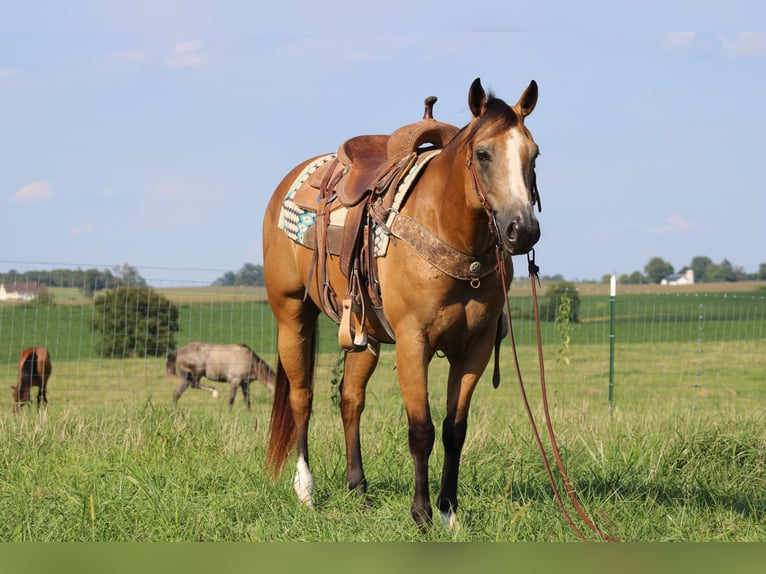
(26,291)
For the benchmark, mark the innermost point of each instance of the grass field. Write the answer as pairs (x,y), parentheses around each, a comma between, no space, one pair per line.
(680,457)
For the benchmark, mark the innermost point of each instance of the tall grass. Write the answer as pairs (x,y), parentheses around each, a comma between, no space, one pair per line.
(128,467)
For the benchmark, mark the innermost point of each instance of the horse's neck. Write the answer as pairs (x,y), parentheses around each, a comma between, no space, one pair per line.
(448,200)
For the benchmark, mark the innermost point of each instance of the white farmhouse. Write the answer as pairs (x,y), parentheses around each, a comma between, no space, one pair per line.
(679,278)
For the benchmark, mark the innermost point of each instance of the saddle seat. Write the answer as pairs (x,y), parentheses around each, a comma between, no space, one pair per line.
(370,158)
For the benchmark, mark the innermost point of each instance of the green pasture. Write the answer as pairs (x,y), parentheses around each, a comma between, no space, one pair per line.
(681,456)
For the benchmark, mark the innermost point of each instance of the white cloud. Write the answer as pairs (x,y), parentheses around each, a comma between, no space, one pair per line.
(744,44)
(675,224)
(678,40)
(187,55)
(35,192)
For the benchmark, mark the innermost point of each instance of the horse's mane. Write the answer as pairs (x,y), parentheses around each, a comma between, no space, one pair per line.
(497,114)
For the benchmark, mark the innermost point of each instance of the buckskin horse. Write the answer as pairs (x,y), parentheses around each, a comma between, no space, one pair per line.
(235,364)
(442,212)
(34,371)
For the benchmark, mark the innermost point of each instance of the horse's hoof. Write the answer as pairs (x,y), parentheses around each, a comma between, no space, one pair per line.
(449,521)
(215,394)
(423,519)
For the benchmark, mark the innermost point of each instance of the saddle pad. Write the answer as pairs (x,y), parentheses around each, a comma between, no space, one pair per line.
(294,220)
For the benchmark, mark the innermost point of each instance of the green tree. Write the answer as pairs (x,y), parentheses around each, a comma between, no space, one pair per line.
(558,293)
(128,276)
(134,322)
(228,279)
(699,265)
(657,269)
(250,275)
(94,280)
(761,272)
(723,271)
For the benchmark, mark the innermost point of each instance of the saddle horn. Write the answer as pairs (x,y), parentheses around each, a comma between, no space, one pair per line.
(428,114)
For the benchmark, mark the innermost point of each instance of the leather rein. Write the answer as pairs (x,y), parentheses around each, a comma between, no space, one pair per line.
(534,271)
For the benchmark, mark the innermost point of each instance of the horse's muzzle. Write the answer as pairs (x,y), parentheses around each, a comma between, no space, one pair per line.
(520,235)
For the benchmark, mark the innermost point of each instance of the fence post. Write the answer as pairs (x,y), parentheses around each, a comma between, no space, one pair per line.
(612,294)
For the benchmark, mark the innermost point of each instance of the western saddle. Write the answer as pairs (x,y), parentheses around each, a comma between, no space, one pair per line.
(367,170)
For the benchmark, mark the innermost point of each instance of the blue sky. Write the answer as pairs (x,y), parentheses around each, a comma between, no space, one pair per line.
(153,133)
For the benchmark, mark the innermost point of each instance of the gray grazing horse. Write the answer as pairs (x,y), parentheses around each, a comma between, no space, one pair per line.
(237,364)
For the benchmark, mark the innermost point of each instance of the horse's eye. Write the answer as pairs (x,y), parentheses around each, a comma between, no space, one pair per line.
(483,156)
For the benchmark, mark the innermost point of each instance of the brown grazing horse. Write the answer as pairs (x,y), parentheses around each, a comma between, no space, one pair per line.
(236,364)
(34,370)
(477,196)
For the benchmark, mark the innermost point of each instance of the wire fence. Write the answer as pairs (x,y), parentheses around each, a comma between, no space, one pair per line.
(710,339)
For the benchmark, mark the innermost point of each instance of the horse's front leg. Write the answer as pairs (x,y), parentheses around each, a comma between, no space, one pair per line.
(358,368)
(234,383)
(464,374)
(246,393)
(412,367)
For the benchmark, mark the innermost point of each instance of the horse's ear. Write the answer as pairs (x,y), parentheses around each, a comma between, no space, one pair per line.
(528,100)
(476,98)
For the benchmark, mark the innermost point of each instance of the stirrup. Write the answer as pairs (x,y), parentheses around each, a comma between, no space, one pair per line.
(352,336)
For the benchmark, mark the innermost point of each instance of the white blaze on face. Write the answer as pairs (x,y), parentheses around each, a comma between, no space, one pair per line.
(304,483)
(517,155)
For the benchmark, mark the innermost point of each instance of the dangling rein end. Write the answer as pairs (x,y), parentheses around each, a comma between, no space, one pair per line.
(534,274)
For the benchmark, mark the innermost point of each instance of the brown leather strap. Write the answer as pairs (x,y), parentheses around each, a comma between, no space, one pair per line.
(444,257)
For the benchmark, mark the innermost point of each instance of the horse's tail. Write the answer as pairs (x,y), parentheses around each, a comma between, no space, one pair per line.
(282,425)
(170,364)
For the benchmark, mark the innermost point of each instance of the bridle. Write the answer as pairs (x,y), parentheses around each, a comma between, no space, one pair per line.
(534,272)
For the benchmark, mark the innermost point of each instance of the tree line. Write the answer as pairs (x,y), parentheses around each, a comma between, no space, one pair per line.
(249,275)
(89,281)
(705,271)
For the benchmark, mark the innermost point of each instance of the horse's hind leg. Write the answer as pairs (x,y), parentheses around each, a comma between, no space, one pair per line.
(180,389)
(41,395)
(295,341)
(358,368)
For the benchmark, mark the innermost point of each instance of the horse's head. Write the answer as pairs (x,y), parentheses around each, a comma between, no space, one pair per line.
(20,395)
(501,156)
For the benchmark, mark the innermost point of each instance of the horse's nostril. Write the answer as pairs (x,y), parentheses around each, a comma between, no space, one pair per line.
(513,231)
(521,234)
